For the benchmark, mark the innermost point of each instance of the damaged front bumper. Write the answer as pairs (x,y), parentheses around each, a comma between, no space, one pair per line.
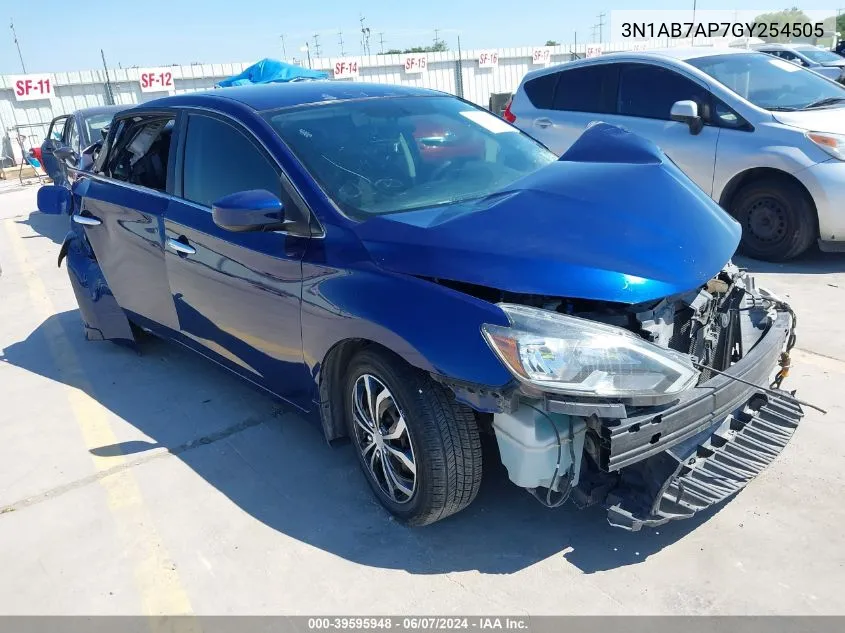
(651,464)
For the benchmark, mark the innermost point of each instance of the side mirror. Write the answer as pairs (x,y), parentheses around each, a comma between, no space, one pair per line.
(54,200)
(66,154)
(253,210)
(686,111)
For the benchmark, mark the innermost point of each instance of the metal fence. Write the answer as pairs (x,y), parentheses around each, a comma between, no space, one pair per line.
(461,74)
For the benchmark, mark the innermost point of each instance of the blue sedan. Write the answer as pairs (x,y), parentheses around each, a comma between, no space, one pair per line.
(415,273)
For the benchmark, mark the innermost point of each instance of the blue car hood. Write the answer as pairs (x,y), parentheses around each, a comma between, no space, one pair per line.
(614,220)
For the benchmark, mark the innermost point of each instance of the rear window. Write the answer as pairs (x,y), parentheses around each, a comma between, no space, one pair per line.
(587,89)
(541,91)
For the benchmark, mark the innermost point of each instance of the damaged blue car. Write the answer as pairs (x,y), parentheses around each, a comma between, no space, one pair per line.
(414,273)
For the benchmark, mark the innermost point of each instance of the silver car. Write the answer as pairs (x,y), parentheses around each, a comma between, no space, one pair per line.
(817,59)
(763,137)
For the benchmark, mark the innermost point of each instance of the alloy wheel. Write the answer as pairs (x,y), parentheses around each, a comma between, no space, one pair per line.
(382,437)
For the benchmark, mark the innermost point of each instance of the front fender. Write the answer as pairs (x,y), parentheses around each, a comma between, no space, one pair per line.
(432,327)
(102,317)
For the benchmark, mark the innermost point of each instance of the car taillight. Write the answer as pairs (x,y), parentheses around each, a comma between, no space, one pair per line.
(507,115)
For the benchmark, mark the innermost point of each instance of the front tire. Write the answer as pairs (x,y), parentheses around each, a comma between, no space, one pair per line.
(777,217)
(419,449)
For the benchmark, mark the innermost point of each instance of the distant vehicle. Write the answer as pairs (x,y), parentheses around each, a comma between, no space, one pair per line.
(414,272)
(69,134)
(819,60)
(763,137)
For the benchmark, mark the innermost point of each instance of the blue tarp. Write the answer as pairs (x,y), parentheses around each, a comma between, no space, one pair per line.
(269,71)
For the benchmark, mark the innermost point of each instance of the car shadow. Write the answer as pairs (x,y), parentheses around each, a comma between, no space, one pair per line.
(278,468)
(53,227)
(813,262)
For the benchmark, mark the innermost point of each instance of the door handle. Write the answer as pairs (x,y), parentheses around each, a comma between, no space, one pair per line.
(86,220)
(180,247)
(543,122)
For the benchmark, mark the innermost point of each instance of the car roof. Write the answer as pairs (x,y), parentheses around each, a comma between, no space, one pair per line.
(271,96)
(680,53)
(95,110)
(784,47)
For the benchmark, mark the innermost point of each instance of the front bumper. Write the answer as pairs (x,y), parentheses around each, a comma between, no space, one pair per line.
(826,183)
(669,463)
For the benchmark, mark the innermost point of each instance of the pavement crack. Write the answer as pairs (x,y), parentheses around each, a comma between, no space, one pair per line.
(205,440)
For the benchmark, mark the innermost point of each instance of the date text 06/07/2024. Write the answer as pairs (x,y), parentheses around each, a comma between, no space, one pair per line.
(418,623)
(721,29)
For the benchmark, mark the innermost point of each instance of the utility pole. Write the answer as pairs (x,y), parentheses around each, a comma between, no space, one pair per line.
(381,42)
(595,30)
(602,15)
(365,38)
(436,37)
(340,41)
(15,37)
(317,44)
(284,52)
(109,93)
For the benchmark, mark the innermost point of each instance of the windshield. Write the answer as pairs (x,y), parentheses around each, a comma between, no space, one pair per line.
(387,155)
(94,127)
(768,82)
(820,56)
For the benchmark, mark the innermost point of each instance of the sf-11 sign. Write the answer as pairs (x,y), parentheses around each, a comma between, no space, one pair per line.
(488,59)
(347,68)
(156,79)
(32,87)
(416,63)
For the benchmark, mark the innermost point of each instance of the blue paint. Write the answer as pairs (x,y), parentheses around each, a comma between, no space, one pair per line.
(613,220)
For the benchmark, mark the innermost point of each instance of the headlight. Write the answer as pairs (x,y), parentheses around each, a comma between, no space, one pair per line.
(833,144)
(575,356)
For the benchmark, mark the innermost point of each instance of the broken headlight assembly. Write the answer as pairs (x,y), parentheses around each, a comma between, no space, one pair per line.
(569,355)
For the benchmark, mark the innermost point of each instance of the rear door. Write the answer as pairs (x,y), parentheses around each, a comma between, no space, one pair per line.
(121,211)
(237,295)
(645,96)
(55,134)
(567,101)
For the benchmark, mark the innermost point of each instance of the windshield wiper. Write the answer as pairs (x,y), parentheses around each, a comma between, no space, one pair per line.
(781,109)
(823,102)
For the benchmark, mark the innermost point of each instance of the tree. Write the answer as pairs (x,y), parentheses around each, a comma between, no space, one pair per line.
(552,43)
(787,16)
(437,47)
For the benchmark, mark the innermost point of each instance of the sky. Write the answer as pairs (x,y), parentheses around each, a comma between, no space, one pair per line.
(163,32)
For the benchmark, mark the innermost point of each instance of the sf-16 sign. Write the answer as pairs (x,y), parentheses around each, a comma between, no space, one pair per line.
(31,87)
(156,79)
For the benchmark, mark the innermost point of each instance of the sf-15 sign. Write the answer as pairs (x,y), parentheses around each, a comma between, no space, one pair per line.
(416,63)
(156,79)
(31,87)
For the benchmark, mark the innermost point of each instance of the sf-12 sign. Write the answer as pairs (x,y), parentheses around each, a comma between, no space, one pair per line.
(416,63)
(488,59)
(156,79)
(347,67)
(542,55)
(32,87)
(594,50)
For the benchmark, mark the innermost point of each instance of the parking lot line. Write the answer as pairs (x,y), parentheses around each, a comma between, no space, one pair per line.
(159,586)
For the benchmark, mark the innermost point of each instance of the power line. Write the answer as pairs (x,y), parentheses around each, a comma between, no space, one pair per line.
(15,37)
(317,44)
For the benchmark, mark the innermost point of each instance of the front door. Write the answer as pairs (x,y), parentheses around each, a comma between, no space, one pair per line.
(646,94)
(121,210)
(237,295)
(55,134)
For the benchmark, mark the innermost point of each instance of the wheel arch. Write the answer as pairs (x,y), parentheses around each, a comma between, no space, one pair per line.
(748,176)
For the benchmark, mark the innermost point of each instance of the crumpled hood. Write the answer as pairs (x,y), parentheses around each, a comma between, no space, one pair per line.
(612,220)
(831,120)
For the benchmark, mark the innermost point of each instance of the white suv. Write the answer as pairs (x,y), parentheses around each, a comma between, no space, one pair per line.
(763,137)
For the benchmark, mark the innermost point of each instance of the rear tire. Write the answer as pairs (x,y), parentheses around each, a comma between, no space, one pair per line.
(438,469)
(777,217)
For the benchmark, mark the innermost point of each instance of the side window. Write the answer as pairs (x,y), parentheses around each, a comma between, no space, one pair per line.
(57,128)
(220,160)
(649,92)
(587,89)
(72,135)
(140,151)
(541,91)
